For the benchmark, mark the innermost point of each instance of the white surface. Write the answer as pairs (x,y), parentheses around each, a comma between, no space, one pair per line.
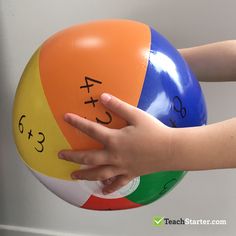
(79,192)
(26,203)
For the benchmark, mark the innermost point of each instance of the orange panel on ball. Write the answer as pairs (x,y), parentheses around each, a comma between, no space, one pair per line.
(79,63)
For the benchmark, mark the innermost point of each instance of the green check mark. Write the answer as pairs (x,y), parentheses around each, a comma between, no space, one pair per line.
(158,220)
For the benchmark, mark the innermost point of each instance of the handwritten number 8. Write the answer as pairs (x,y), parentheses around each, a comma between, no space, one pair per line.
(178,106)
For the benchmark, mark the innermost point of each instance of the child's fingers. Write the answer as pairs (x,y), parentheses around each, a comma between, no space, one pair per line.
(92,129)
(119,182)
(109,181)
(96,173)
(93,157)
(121,108)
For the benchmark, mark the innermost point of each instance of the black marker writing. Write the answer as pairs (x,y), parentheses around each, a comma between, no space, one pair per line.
(40,137)
(89,83)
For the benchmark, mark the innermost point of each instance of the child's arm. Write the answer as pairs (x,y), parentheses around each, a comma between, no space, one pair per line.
(206,147)
(146,145)
(213,62)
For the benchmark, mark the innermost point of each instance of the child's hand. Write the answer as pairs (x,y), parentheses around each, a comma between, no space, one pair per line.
(142,147)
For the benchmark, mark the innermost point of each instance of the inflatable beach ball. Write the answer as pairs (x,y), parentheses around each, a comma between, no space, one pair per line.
(69,72)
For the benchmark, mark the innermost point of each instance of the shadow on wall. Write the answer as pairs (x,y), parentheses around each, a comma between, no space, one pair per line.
(10,184)
(4,108)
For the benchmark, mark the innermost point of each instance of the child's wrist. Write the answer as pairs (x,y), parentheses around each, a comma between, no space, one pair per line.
(176,149)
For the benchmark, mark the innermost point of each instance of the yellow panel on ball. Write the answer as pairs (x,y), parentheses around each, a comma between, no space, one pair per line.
(36,132)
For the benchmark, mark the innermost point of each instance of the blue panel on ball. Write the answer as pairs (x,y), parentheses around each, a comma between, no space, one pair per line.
(171,92)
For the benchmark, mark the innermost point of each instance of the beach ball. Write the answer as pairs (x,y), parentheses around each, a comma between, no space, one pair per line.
(69,72)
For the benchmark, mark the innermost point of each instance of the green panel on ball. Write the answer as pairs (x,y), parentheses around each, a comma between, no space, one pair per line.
(154,186)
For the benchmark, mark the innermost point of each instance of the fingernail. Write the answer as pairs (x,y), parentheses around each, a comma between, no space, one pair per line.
(75,176)
(66,116)
(61,155)
(105,97)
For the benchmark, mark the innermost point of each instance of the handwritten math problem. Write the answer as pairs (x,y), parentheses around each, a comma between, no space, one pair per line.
(39,137)
(89,84)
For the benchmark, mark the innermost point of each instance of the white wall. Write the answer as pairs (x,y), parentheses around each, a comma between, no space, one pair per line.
(26,204)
